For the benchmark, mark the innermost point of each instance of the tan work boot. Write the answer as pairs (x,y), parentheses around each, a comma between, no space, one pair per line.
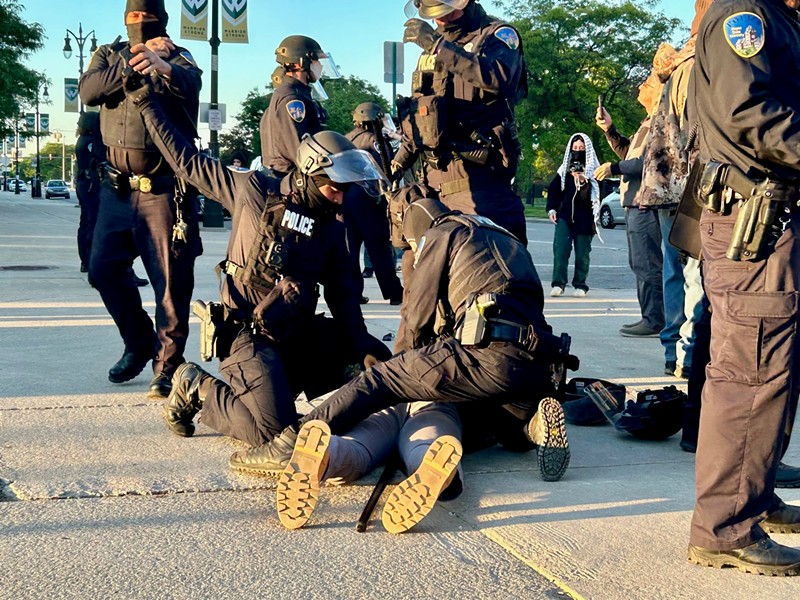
(299,484)
(412,499)
(547,431)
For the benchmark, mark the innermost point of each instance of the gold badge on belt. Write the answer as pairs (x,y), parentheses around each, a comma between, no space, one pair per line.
(145,185)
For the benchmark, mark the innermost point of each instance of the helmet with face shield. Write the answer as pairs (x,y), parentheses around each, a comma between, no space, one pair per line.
(433,9)
(328,156)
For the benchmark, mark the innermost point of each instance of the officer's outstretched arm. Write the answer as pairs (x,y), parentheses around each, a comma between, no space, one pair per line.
(208,175)
(103,78)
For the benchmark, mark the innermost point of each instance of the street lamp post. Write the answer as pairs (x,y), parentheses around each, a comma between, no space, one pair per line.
(80,39)
(36,192)
(16,156)
(60,138)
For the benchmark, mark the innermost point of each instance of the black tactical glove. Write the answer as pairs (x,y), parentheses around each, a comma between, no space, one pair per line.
(372,351)
(422,34)
(137,87)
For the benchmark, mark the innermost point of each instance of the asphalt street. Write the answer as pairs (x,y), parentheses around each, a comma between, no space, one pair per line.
(98,499)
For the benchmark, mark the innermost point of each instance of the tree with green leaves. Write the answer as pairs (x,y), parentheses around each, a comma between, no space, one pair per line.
(18,83)
(343,96)
(575,51)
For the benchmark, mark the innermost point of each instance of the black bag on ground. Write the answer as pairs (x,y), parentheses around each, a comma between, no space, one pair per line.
(656,414)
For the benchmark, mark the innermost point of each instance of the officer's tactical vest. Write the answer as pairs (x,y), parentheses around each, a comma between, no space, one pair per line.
(122,126)
(285,245)
(488,262)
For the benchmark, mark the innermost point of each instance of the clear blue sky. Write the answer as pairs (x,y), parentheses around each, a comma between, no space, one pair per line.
(352,30)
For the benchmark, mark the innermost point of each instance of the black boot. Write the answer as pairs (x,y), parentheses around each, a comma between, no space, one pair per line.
(765,557)
(184,400)
(270,458)
(130,365)
(787,477)
(784,520)
(160,386)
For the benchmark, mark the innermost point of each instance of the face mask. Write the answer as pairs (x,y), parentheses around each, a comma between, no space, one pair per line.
(578,156)
(139,33)
(316,71)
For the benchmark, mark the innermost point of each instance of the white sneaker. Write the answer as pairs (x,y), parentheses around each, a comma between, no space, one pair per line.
(579,293)
(556,291)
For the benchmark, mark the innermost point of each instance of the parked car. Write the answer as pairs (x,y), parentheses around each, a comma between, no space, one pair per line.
(17,183)
(56,187)
(611,211)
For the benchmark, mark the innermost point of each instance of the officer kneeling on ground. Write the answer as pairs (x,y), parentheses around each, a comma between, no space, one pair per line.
(475,332)
(285,241)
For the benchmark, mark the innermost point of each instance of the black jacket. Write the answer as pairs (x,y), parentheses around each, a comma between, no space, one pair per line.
(245,194)
(761,91)
(291,114)
(130,148)
(574,208)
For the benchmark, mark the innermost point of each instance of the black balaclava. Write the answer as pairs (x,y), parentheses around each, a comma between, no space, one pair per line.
(138,33)
(469,21)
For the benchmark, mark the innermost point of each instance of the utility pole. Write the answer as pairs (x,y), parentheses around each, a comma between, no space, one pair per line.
(16,156)
(213,142)
(36,192)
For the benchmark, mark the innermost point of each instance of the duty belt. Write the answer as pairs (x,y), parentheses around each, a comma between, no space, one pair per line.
(505,331)
(123,182)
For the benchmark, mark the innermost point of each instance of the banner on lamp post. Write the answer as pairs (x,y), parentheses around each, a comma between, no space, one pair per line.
(194,19)
(234,21)
(30,122)
(44,122)
(71,95)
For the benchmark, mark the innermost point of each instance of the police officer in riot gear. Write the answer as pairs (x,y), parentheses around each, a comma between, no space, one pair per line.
(747,52)
(285,241)
(475,334)
(365,216)
(292,112)
(142,212)
(460,118)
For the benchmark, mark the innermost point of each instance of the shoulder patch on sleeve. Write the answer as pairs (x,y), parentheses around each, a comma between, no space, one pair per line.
(508,36)
(296,110)
(744,32)
(186,55)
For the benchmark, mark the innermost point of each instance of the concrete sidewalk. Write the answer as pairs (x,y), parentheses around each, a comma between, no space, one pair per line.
(102,500)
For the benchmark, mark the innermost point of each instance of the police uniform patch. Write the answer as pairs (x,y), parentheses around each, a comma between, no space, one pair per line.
(186,55)
(508,36)
(468,47)
(744,32)
(296,110)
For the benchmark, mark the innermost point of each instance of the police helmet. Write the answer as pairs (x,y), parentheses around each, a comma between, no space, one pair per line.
(656,414)
(580,409)
(419,217)
(367,112)
(299,50)
(329,155)
(434,9)
(88,122)
(277,76)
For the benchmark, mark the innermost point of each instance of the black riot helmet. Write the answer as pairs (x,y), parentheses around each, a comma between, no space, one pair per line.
(434,9)
(88,123)
(367,112)
(656,414)
(298,50)
(329,157)
(421,216)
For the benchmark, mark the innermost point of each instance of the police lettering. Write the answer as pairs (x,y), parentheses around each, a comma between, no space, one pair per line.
(297,222)
(427,62)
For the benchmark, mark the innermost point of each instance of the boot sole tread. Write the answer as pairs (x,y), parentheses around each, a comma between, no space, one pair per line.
(413,498)
(553,453)
(299,483)
(722,562)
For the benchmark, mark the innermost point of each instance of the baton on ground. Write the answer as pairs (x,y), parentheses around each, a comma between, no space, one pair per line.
(383,481)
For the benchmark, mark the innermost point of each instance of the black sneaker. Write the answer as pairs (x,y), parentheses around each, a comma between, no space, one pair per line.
(670,366)
(639,331)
